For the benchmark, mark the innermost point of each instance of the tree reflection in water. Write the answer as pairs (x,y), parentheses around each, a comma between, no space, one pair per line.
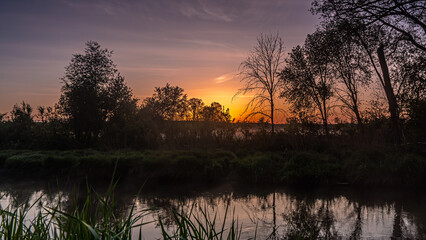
(273,215)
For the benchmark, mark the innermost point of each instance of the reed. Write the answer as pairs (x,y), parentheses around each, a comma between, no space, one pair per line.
(95,218)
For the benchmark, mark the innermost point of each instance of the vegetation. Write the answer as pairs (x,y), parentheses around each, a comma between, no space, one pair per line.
(259,75)
(335,126)
(308,167)
(95,218)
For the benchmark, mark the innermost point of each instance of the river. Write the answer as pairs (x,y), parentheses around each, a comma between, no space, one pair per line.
(331,213)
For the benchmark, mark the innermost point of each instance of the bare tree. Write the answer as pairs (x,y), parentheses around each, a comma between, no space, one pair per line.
(259,73)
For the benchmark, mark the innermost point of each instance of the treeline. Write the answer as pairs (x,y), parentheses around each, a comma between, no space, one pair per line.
(98,109)
(329,83)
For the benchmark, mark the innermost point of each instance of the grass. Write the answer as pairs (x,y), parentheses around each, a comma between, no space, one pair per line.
(203,226)
(96,219)
(359,167)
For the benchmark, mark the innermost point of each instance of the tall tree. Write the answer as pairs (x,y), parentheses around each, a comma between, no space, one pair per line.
(349,66)
(259,74)
(307,76)
(400,21)
(92,91)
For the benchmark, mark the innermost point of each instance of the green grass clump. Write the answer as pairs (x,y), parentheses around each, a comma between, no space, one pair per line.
(26,160)
(95,218)
(202,226)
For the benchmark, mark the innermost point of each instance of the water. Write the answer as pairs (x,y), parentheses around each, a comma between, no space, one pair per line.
(328,213)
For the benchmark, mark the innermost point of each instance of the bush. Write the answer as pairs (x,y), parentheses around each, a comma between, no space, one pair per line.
(309,168)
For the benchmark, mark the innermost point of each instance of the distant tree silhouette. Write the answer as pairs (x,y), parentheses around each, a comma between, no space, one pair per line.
(307,76)
(259,75)
(196,106)
(168,103)
(41,113)
(93,92)
(21,114)
(22,123)
(2,116)
(216,113)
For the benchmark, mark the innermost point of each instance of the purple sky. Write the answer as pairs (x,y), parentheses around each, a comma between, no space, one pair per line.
(197,45)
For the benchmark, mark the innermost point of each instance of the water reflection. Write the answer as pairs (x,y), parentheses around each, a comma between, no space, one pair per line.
(278,214)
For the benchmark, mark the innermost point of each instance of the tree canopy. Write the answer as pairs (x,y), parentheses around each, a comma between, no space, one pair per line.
(93,92)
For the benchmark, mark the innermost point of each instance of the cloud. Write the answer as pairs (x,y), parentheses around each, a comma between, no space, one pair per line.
(225,78)
(202,10)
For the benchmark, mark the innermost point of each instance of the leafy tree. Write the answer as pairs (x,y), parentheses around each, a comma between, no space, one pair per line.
(349,66)
(400,21)
(307,76)
(21,114)
(409,77)
(22,124)
(168,103)
(196,106)
(93,92)
(216,113)
(2,116)
(260,76)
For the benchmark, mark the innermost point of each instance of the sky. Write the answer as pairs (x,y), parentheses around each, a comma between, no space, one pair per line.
(197,45)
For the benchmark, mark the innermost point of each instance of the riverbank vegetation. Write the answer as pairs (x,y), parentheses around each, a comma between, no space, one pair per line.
(311,168)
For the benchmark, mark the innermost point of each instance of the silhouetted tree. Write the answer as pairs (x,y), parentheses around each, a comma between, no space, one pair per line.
(307,76)
(93,92)
(122,113)
(259,75)
(22,123)
(196,106)
(402,21)
(409,76)
(349,66)
(2,116)
(216,113)
(168,103)
(407,18)
(41,113)
(21,114)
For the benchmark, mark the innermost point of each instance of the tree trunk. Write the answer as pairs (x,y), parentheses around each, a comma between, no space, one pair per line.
(393,105)
(325,120)
(358,116)
(272,118)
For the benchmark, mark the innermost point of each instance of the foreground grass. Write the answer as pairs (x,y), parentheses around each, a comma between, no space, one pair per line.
(362,167)
(96,218)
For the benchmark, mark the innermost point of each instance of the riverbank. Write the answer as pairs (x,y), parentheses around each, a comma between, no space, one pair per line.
(311,168)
